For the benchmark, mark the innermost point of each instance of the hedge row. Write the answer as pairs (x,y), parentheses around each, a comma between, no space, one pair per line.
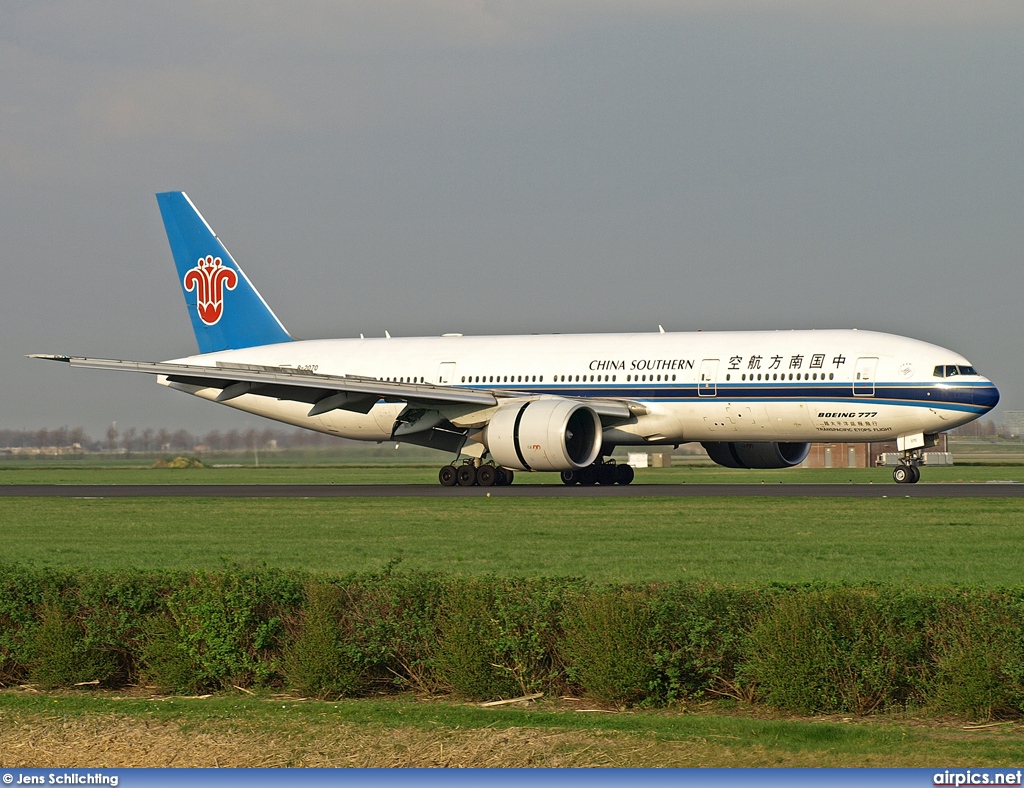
(811,649)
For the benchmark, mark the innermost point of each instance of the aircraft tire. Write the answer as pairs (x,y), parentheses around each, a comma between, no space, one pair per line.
(624,474)
(510,475)
(587,476)
(902,474)
(569,477)
(605,474)
(915,474)
(447,476)
(466,475)
(486,476)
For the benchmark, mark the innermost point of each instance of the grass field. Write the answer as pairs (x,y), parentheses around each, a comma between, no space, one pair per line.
(736,540)
(89,731)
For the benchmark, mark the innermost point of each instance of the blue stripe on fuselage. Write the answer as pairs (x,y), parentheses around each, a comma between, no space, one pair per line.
(974,398)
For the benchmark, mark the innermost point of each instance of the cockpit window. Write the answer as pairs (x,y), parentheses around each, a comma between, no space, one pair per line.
(952,370)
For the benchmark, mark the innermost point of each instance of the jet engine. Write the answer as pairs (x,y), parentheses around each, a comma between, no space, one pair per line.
(544,435)
(742,454)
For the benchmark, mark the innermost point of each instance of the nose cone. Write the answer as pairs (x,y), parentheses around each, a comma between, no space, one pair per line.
(986,395)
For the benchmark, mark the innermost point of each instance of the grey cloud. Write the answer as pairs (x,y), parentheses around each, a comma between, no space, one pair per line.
(410,165)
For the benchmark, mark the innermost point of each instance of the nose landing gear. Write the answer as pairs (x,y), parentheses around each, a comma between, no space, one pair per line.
(908,472)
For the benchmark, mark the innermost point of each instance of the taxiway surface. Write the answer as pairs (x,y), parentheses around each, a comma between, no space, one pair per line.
(979,490)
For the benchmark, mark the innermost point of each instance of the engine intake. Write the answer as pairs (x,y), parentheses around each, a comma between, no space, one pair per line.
(544,435)
(741,454)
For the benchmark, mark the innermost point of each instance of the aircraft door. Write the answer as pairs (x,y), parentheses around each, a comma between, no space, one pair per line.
(446,374)
(864,377)
(707,381)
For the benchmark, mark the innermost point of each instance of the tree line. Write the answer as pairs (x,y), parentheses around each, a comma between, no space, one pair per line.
(134,440)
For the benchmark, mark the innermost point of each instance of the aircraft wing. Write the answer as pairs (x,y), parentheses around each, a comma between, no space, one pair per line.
(325,392)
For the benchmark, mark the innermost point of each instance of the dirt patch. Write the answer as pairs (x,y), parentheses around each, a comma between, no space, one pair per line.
(109,741)
(117,741)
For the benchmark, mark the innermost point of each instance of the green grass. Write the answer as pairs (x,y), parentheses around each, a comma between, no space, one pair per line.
(427,474)
(924,541)
(654,736)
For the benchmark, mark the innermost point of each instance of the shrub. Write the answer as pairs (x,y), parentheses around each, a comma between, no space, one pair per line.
(607,646)
(495,637)
(701,632)
(163,659)
(839,650)
(60,655)
(979,657)
(230,625)
(21,592)
(325,659)
(810,649)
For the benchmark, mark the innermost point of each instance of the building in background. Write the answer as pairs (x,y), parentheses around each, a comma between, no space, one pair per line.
(1013,423)
(866,455)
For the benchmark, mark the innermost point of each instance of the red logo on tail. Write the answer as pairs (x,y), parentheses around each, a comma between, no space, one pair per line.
(208,279)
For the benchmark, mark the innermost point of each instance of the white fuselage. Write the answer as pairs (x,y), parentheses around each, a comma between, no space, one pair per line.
(788,386)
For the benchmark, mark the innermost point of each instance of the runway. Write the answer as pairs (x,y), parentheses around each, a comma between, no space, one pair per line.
(986,490)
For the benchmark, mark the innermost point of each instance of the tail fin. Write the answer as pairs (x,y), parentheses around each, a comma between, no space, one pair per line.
(227,311)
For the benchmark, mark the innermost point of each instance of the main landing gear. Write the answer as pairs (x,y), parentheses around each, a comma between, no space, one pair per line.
(469,474)
(599,473)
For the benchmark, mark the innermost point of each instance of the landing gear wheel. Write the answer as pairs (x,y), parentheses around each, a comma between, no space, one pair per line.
(447,476)
(486,475)
(916,474)
(623,474)
(587,476)
(905,474)
(605,474)
(509,475)
(466,475)
(569,477)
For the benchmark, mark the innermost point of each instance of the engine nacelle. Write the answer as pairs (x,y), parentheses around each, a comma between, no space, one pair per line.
(544,435)
(743,454)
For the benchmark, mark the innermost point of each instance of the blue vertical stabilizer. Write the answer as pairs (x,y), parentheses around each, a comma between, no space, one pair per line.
(227,312)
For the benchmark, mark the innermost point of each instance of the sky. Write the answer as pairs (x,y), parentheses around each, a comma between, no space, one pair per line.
(431,166)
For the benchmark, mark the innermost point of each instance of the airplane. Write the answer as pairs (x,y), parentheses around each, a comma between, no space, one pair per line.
(560,403)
